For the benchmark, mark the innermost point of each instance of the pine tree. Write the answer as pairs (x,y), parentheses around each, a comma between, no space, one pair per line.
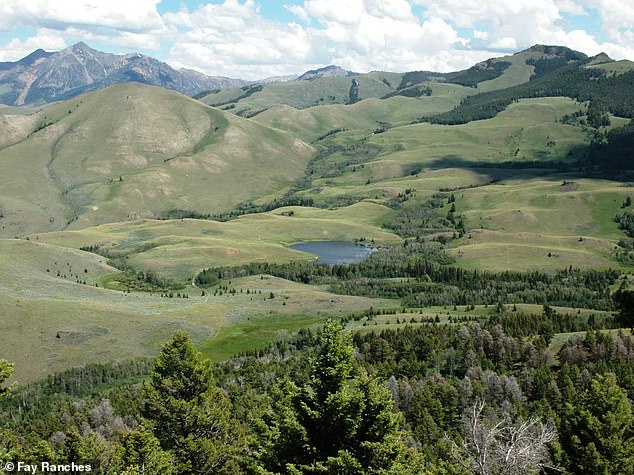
(597,434)
(190,416)
(342,422)
(624,298)
(6,370)
(143,454)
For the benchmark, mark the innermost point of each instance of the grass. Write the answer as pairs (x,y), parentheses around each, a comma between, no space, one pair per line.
(106,157)
(518,220)
(303,94)
(328,91)
(544,205)
(522,217)
(527,131)
(61,186)
(253,335)
(615,67)
(517,73)
(50,323)
(292,307)
(528,252)
(178,249)
(364,116)
(538,224)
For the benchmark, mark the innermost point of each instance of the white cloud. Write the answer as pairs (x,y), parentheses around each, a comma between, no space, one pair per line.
(46,39)
(615,15)
(232,38)
(506,43)
(298,11)
(571,6)
(128,40)
(582,41)
(125,15)
(518,24)
(325,11)
(526,21)
(122,23)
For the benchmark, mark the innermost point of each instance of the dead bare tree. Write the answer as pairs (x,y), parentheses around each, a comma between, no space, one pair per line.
(503,448)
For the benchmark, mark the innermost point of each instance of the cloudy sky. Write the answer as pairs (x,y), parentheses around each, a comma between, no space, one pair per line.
(253,39)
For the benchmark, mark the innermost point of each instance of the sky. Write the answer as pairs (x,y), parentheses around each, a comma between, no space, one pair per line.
(254,39)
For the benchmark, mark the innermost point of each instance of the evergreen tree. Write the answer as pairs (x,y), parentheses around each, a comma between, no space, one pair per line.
(190,416)
(6,370)
(624,299)
(342,422)
(143,453)
(598,433)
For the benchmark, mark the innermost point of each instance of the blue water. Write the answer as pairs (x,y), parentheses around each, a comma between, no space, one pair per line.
(335,252)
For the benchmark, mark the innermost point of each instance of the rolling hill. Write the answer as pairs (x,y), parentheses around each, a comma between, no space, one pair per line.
(54,317)
(132,151)
(332,85)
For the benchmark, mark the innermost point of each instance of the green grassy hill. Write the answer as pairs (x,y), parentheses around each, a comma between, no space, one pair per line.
(134,151)
(529,131)
(256,99)
(366,116)
(251,100)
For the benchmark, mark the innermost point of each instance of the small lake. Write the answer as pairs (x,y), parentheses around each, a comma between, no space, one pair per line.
(335,252)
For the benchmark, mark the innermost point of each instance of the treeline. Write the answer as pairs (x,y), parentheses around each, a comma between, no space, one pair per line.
(413,218)
(493,289)
(484,71)
(548,64)
(41,406)
(614,94)
(248,90)
(251,208)
(418,273)
(481,72)
(612,151)
(550,322)
(626,223)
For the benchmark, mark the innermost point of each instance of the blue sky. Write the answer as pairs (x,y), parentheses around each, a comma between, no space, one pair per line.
(257,38)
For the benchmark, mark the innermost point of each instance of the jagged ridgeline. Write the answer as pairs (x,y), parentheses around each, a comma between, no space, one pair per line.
(43,77)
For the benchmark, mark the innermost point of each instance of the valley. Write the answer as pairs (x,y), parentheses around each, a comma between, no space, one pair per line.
(158,184)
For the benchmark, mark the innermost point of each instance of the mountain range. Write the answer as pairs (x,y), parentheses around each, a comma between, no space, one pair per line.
(43,77)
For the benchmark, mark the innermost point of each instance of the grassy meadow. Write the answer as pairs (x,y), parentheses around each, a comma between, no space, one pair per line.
(302,94)
(52,320)
(178,249)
